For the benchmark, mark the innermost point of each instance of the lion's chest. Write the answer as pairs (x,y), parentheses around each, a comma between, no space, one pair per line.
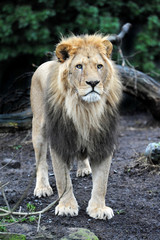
(69,143)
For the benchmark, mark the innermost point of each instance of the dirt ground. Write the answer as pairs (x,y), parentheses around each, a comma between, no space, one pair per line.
(133,189)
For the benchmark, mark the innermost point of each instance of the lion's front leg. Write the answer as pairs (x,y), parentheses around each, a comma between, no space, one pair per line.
(43,187)
(67,204)
(96,207)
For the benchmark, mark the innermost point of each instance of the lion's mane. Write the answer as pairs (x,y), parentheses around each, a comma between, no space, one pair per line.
(76,129)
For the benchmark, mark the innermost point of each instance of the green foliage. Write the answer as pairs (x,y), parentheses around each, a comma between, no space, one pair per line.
(34,27)
(12,236)
(23,29)
(17,147)
(148,45)
(3,229)
(31,207)
(10,219)
(121,211)
(32,218)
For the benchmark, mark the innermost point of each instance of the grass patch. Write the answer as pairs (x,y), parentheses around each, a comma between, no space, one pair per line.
(6,220)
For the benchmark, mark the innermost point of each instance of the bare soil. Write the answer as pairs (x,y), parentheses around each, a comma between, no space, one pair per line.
(133,189)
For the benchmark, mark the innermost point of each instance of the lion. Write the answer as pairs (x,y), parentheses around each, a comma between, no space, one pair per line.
(74,99)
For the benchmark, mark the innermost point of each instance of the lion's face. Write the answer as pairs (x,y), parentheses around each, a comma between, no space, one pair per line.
(87,74)
(88,68)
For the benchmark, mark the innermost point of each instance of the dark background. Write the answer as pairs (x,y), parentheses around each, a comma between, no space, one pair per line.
(29,29)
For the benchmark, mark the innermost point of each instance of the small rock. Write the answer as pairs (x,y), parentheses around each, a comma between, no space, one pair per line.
(10,163)
(81,234)
(152,152)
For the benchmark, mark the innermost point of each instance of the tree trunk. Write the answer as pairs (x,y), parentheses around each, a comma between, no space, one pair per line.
(142,87)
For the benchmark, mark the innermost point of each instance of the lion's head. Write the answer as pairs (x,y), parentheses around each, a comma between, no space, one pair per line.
(86,68)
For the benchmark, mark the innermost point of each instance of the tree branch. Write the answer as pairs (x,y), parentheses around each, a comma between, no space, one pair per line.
(117,39)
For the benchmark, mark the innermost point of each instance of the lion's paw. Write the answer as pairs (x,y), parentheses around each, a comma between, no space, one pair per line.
(100,212)
(43,191)
(67,209)
(83,172)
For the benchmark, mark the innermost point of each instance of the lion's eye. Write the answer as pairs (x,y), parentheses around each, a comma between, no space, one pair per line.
(79,66)
(99,66)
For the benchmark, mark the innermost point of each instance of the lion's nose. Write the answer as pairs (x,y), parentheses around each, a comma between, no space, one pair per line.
(92,83)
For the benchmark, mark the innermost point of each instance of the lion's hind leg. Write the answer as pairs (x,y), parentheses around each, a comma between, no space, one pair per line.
(83,168)
(67,203)
(40,147)
(96,207)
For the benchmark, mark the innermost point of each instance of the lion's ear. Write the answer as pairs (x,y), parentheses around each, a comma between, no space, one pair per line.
(109,47)
(62,51)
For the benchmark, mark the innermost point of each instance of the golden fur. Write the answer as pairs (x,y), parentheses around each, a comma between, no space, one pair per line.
(64,91)
(84,89)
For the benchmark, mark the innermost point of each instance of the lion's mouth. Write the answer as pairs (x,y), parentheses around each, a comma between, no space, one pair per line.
(93,91)
(92,96)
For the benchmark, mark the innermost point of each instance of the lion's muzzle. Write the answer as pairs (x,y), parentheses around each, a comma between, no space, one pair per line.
(92,94)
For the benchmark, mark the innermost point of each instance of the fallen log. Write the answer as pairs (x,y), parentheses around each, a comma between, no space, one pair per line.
(16,121)
(136,83)
(143,87)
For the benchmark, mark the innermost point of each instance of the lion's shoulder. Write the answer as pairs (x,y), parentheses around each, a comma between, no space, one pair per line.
(42,72)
